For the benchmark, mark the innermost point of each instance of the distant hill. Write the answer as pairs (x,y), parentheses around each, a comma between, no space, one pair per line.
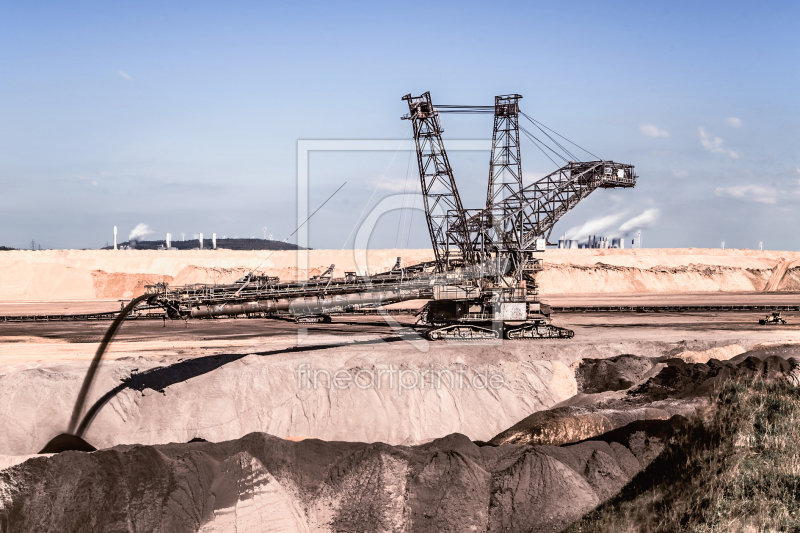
(227,244)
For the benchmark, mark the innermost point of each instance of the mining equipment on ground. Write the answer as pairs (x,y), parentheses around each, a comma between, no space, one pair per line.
(774,318)
(482,281)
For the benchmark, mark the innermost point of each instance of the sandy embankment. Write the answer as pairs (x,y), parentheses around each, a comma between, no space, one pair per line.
(103,274)
(224,397)
(669,270)
(53,275)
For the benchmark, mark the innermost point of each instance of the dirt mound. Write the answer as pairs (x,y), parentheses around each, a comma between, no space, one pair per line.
(565,425)
(612,374)
(786,350)
(66,442)
(722,353)
(681,380)
(662,391)
(262,483)
(222,397)
(604,278)
(554,427)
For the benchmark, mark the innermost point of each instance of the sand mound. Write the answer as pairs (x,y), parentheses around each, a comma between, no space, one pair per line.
(223,397)
(722,353)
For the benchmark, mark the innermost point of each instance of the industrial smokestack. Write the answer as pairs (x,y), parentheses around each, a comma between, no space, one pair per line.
(115,237)
(201,241)
(169,240)
(214,241)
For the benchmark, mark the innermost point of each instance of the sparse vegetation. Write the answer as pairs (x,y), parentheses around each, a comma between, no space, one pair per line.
(736,467)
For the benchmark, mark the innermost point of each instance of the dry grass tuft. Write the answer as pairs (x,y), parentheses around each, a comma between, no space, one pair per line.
(735,467)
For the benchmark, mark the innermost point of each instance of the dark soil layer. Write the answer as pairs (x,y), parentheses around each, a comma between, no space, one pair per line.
(612,374)
(448,485)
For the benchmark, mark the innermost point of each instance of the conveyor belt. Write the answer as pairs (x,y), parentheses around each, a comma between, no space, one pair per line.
(92,317)
(88,317)
(668,308)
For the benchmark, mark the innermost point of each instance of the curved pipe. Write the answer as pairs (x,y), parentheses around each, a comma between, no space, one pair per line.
(87,381)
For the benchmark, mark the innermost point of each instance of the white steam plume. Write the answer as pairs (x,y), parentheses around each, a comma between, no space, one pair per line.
(646,220)
(596,226)
(139,232)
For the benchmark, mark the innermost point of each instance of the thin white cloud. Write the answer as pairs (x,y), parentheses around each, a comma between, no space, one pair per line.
(394,184)
(680,173)
(753,193)
(647,219)
(616,198)
(124,75)
(650,130)
(733,122)
(715,145)
(140,231)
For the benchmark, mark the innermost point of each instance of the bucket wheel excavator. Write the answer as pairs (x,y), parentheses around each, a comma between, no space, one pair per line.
(482,281)
(489,257)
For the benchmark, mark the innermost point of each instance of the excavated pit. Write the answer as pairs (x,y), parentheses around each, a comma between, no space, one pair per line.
(263,483)
(205,427)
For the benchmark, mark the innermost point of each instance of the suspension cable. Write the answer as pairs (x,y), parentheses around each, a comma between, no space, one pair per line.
(539,123)
(535,139)
(570,154)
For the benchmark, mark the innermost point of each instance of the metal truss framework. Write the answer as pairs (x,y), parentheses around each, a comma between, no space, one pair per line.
(504,194)
(443,210)
(503,236)
(546,200)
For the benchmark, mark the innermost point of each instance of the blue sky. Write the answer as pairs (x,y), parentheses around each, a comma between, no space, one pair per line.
(186,116)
